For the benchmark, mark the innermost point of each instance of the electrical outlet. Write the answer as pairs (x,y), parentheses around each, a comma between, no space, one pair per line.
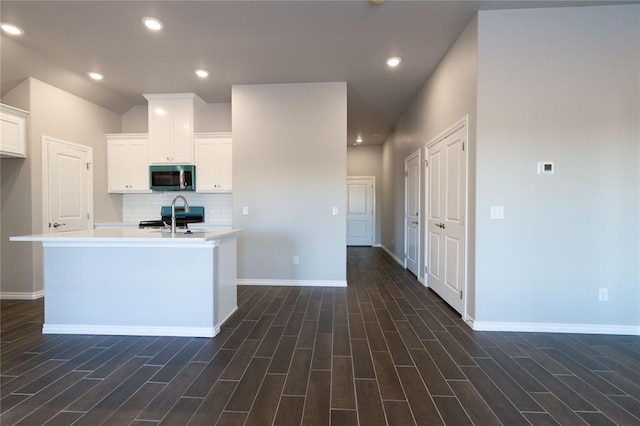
(496,212)
(603,294)
(296,260)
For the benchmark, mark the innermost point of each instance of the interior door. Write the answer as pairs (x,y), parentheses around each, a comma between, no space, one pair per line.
(446,207)
(68,187)
(412,212)
(360,202)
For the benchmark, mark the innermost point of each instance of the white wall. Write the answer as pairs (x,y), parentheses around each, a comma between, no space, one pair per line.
(217,119)
(367,161)
(448,95)
(61,115)
(290,169)
(559,85)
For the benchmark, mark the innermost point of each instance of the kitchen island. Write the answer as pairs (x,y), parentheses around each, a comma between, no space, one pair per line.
(138,282)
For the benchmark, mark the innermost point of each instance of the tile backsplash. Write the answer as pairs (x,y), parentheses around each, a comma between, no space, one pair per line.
(137,207)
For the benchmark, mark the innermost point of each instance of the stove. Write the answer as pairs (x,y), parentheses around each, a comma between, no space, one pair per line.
(183,219)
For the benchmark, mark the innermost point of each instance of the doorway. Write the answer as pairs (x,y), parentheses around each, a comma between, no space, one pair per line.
(446,182)
(412,213)
(361,210)
(67,175)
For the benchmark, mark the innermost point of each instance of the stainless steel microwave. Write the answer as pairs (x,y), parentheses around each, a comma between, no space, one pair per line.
(172,178)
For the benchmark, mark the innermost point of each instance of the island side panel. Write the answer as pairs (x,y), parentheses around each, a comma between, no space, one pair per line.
(226,296)
(130,290)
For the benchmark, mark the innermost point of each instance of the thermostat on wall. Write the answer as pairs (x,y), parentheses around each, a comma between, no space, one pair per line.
(545,168)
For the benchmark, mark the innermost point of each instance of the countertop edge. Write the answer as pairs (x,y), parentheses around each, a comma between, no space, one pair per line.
(125,237)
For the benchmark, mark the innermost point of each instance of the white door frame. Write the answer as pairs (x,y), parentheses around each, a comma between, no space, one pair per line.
(373,216)
(417,153)
(46,140)
(463,122)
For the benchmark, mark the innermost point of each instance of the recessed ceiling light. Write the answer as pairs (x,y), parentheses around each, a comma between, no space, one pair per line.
(376,135)
(359,140)
(11,29)
(202,73)
(95,75)
(152,23)
(377,1)
(394,61)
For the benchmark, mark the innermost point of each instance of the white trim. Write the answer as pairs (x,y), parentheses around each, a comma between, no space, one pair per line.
(218,325)
(373,218)
(124,330)
(287,283)
(21,295)
(532,327)
(377,245)
(393,256)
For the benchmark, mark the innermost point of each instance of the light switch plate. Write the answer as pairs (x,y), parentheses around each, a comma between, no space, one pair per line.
(245,211)
(497,212)
(334,211)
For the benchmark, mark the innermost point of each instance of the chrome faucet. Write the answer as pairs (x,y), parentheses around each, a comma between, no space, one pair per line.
(173,212)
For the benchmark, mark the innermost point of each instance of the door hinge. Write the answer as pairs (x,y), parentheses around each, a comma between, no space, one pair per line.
(460,294)
(463,146)
(88,166)
(426,270)
(426,162)
(88,215)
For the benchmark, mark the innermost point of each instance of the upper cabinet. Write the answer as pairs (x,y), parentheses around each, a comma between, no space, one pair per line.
(128,163)
(213,162)
(13,132)
(173,120)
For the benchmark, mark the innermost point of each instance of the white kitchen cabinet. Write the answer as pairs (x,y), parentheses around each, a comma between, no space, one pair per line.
(13,135)
(213,162)
(128,163)
(173,120)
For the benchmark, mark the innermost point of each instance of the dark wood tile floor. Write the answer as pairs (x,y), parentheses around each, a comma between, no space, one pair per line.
(385,350)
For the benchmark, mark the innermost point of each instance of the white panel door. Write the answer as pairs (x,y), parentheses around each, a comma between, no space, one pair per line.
(446,206)
(68,187)
(360,216)
(412,212)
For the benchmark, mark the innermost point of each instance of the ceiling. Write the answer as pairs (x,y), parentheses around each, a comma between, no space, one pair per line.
(239,42)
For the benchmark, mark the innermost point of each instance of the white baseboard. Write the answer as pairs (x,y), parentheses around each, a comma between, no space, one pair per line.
(632,330)
(390,253)
(301,283)
(377,245)
(218,325)
(21,295)
(125,330)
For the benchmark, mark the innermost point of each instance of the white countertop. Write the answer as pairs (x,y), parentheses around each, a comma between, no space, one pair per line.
(151,237)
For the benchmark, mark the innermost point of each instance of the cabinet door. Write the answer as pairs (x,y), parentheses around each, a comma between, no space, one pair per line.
(118,162)
(127,164)
(225,151)
(206,165)
(12,134)
(161,131)
(213,163)
(182,131)
(139,172)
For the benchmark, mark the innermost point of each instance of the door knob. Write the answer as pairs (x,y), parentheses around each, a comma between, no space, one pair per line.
(55,225)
